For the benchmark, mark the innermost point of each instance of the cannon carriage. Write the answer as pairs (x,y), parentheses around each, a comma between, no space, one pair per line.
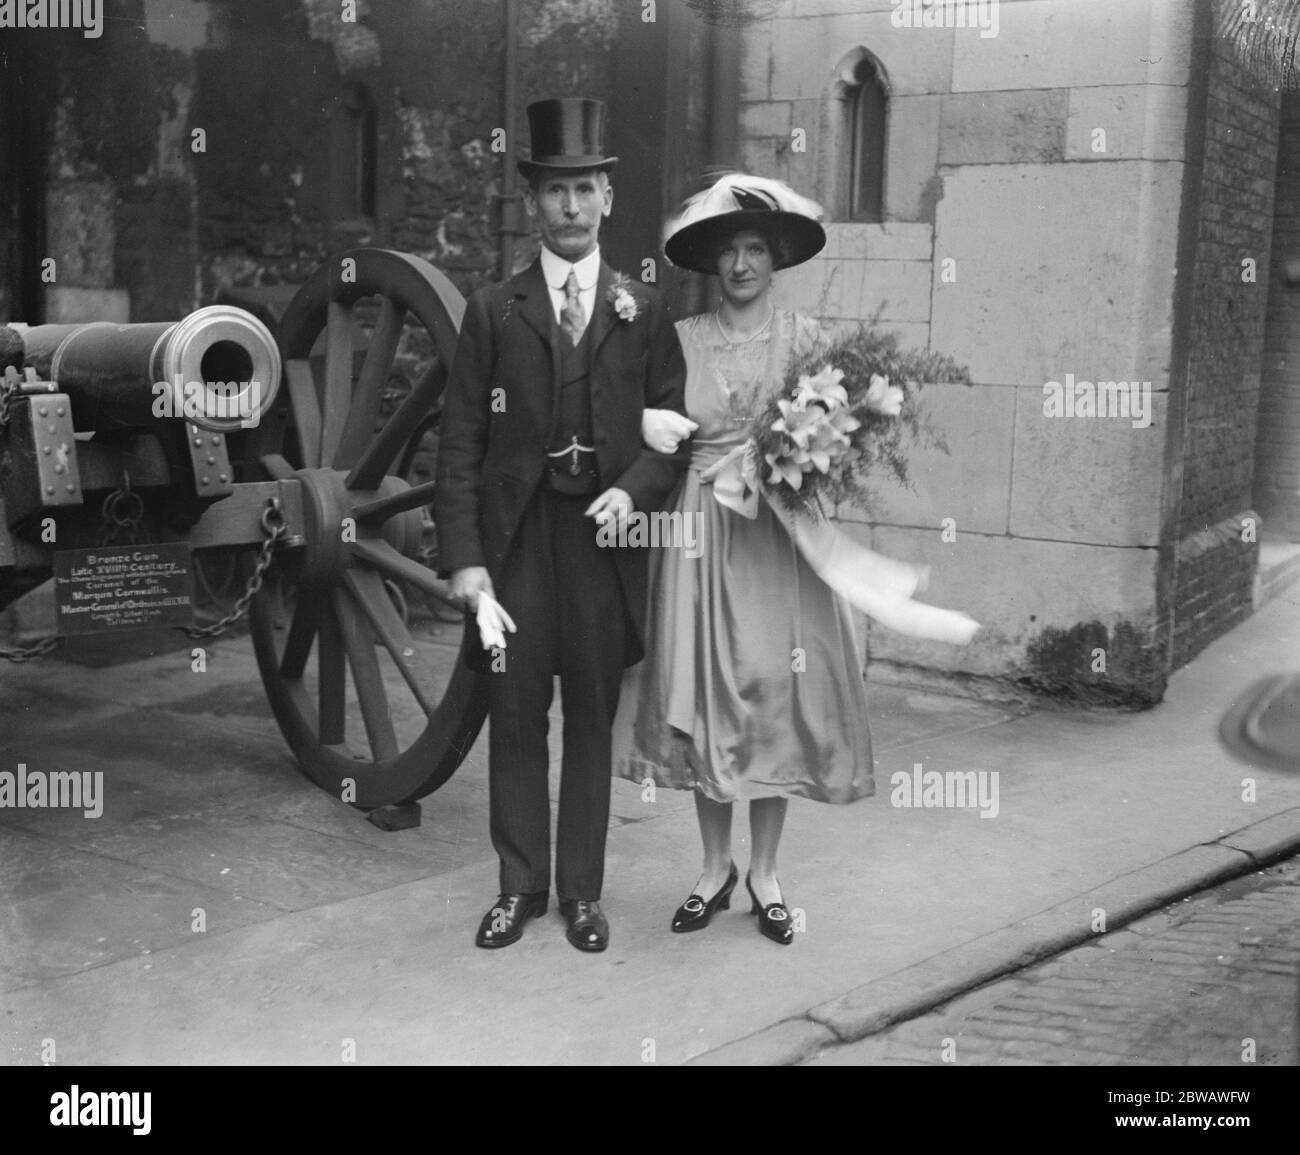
(210,438)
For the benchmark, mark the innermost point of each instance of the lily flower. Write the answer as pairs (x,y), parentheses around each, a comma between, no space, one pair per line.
(797,424)
(824,389)
(884,398)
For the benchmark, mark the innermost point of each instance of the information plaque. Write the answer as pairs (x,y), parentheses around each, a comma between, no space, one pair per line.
(123,587)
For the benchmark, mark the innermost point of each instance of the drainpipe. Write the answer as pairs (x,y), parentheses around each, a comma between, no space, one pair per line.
(508,211)
(722,79)
(724,95)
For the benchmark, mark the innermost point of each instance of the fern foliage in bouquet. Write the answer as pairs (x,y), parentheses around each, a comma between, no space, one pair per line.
(846,414)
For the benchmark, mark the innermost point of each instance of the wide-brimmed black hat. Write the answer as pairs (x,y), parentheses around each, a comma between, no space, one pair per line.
(738,201)
(566,134)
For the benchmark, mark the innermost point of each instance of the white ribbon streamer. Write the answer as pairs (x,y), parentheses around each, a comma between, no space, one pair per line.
(878,586)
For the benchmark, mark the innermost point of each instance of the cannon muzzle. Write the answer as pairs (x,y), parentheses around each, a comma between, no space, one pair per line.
(219,367)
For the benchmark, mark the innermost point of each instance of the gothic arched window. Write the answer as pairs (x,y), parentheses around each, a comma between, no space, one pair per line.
(868,106)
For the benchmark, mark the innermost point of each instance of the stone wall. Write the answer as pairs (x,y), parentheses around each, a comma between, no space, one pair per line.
(277,91)
(1033,186)
(202,145)
(116,220)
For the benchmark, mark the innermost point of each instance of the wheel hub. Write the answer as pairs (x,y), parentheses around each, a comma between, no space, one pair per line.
(331,525)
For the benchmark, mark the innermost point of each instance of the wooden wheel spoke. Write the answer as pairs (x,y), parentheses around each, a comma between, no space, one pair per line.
(369,393)
(333,681)
(276,466)
(367,677)
(386,559)
(387,443)
(381,509)
(306,409)
(367,590)
(302,632)
(318,622)
(338,379)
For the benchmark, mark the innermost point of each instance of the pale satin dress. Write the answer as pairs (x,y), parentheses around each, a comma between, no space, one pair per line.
(752,684)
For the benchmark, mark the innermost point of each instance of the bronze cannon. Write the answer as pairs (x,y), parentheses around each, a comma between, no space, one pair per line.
(208,436)
(219,367)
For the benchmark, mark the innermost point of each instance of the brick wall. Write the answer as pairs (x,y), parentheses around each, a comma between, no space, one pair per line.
(1277,445)
(1214,567)
(265,92)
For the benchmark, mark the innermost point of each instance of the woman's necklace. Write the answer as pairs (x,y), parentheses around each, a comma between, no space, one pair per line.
(717,317)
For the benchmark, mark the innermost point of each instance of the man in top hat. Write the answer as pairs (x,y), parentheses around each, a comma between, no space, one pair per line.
(541,446)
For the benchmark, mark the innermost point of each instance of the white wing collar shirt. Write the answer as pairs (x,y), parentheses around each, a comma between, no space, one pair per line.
(556,271)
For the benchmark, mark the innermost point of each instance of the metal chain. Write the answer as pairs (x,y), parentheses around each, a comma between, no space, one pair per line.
(35,650)
(274,525)
(10,383)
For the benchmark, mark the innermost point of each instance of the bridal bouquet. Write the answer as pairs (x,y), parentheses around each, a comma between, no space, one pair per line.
(844,415)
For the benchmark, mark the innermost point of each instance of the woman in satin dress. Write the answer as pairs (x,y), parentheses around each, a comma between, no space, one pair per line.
(752,688)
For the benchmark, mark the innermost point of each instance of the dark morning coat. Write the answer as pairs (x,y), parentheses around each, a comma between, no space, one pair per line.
(500,412)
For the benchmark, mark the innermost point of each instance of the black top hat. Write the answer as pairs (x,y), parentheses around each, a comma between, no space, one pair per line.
(567,134)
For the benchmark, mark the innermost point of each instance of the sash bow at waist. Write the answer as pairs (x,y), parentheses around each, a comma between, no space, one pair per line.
(732,470)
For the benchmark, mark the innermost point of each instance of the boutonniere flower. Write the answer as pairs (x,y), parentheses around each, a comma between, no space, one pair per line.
(621,297)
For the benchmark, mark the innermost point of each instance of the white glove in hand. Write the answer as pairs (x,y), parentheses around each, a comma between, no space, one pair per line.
(491,619)
(663,429)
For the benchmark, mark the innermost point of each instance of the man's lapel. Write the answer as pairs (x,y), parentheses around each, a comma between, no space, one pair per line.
(535,301)
(603,321)
(536,309)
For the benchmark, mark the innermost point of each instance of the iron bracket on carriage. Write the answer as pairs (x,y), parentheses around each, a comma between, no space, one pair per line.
(127,449)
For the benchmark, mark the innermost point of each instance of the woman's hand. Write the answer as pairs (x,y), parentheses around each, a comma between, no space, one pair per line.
(663,430)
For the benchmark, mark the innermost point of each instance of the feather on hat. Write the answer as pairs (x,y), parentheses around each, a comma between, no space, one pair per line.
(738,201)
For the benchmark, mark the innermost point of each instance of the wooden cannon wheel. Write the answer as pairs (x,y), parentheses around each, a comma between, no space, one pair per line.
(343,676)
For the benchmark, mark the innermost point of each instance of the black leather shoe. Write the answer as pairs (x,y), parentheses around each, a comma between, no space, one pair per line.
(773,919)
(588,927)
(695,912)
(504,923)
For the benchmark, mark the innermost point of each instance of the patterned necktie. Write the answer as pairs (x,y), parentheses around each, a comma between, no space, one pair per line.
(572,318)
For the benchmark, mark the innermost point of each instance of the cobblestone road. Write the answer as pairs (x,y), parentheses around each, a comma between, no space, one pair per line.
(1213,980)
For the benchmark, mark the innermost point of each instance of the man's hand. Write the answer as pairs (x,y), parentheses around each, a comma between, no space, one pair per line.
(663,429)
(468,582)
(613,503)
